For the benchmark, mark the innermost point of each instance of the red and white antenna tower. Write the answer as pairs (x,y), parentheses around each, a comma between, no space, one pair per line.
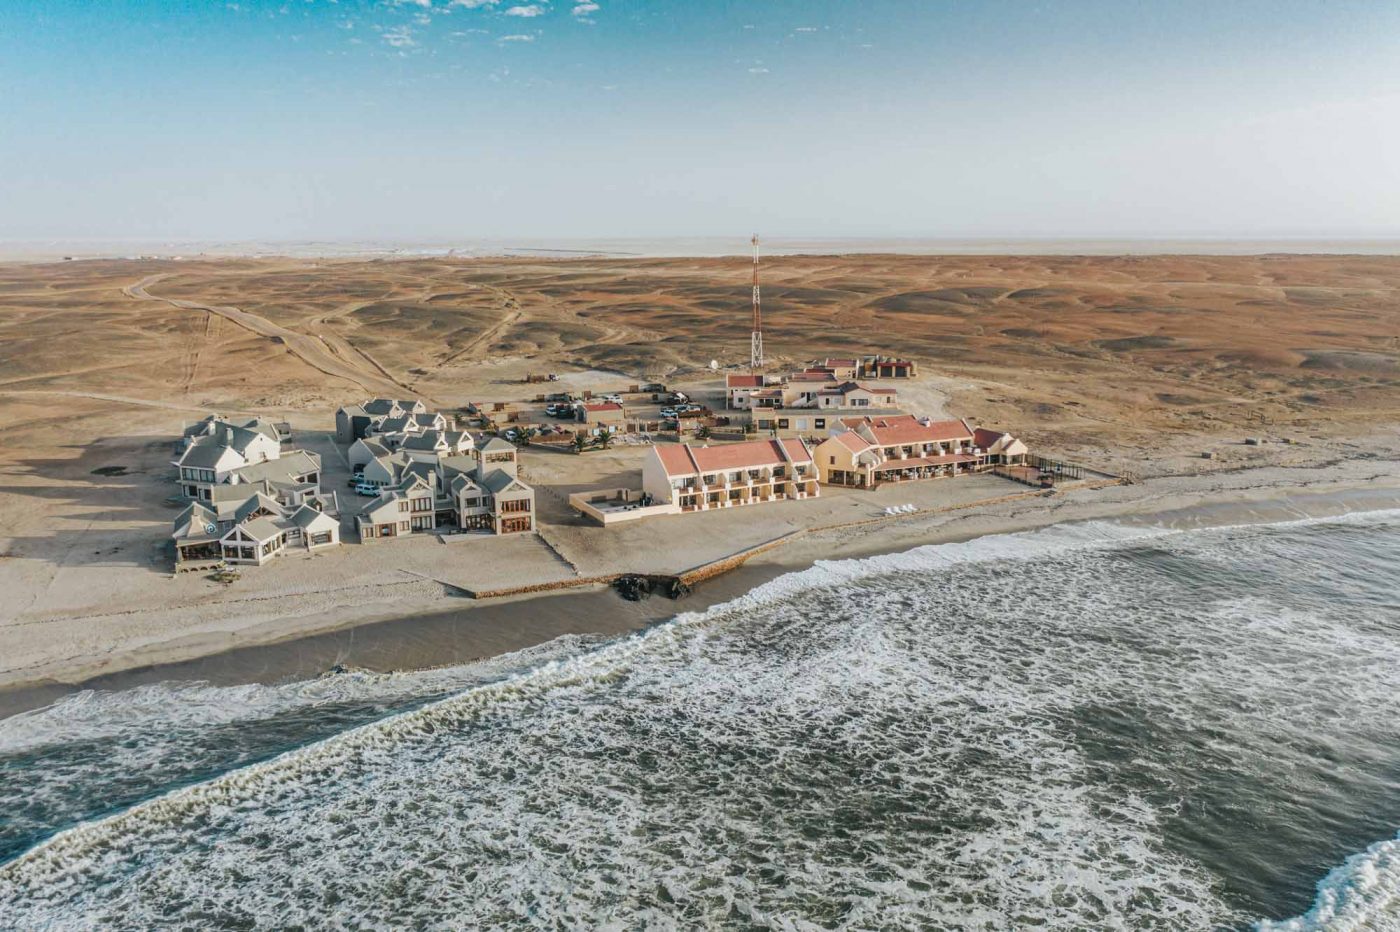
(756,338)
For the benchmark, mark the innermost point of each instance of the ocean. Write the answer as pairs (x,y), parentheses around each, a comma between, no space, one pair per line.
(1092,726)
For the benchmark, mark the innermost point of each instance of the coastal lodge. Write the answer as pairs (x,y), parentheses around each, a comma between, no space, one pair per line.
(746,473)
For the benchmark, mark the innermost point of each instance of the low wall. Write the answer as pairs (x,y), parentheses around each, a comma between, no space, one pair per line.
(586,503)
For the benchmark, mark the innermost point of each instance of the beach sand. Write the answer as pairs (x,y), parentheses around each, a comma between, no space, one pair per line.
(1134,365)
(442,630)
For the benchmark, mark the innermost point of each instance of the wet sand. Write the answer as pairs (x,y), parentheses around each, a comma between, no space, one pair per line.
(480,630)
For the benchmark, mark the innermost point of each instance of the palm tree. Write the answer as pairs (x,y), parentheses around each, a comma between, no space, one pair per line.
(580,443)
(702,432)
(526,434)
(605,438)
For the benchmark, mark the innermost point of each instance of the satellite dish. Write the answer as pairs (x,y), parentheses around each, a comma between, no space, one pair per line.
(714,363)
(210,528)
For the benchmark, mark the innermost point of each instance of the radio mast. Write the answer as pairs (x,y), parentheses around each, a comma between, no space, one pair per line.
(756,338)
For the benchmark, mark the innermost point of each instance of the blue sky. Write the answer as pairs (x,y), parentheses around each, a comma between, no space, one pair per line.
(438,119)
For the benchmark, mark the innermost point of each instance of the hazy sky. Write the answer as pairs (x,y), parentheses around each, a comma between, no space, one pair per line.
(459,118)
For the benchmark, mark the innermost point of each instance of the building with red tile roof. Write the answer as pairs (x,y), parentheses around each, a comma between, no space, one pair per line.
(869,451)
(722,476)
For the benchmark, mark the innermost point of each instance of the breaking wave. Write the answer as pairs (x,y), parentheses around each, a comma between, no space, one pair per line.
(1086,726)
(1361,894)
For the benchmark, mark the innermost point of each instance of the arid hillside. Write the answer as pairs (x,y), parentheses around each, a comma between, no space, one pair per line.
(1076,352)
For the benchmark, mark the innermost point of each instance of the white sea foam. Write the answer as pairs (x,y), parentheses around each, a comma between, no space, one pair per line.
(865,743)
(1361,895)
(96,714)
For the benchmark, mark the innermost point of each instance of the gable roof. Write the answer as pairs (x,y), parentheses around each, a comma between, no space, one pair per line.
(905,428)
(306,516)
(601,406)
(427,441)
(463,481)
(853,441)
(415,472)
(379,406)
(741,380)
(260,529)
(254,502)
(375,448)
(204,453)
(685,460)
(497,445)
(240,438)
(286,469)
(498,480)
(192,523)
(264,427)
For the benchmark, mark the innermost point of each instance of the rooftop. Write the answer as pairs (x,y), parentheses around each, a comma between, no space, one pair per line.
(686,460)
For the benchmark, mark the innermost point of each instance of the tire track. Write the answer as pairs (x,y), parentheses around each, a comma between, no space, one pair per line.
(308,349)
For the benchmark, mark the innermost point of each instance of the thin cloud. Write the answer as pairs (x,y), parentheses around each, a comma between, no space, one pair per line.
(529,10)
(805,29)
(583,9)
(473,4)
(519,37)
(758,71)
(400,37)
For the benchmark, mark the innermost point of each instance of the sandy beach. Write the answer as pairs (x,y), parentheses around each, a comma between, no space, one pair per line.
(1206,381)
(416,625)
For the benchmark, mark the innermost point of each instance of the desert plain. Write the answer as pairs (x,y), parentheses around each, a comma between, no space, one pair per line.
(1135,366)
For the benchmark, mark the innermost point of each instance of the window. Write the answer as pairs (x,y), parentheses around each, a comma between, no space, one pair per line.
(323,537)
(782,423)
(820,423)
(422,504)
(516,506)
(833,460)
(403,506)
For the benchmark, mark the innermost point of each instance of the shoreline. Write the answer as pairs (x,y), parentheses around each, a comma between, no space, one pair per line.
(406,638)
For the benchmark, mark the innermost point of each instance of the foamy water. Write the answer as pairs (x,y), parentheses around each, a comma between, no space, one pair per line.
(1086,727)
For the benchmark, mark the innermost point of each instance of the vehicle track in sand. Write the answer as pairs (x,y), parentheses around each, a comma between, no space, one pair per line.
(311,350)
(122,399)
(510,304)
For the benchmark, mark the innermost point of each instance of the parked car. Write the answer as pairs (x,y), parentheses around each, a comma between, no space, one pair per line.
(559,410)
(668,413)
(366,488)
(611,398)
